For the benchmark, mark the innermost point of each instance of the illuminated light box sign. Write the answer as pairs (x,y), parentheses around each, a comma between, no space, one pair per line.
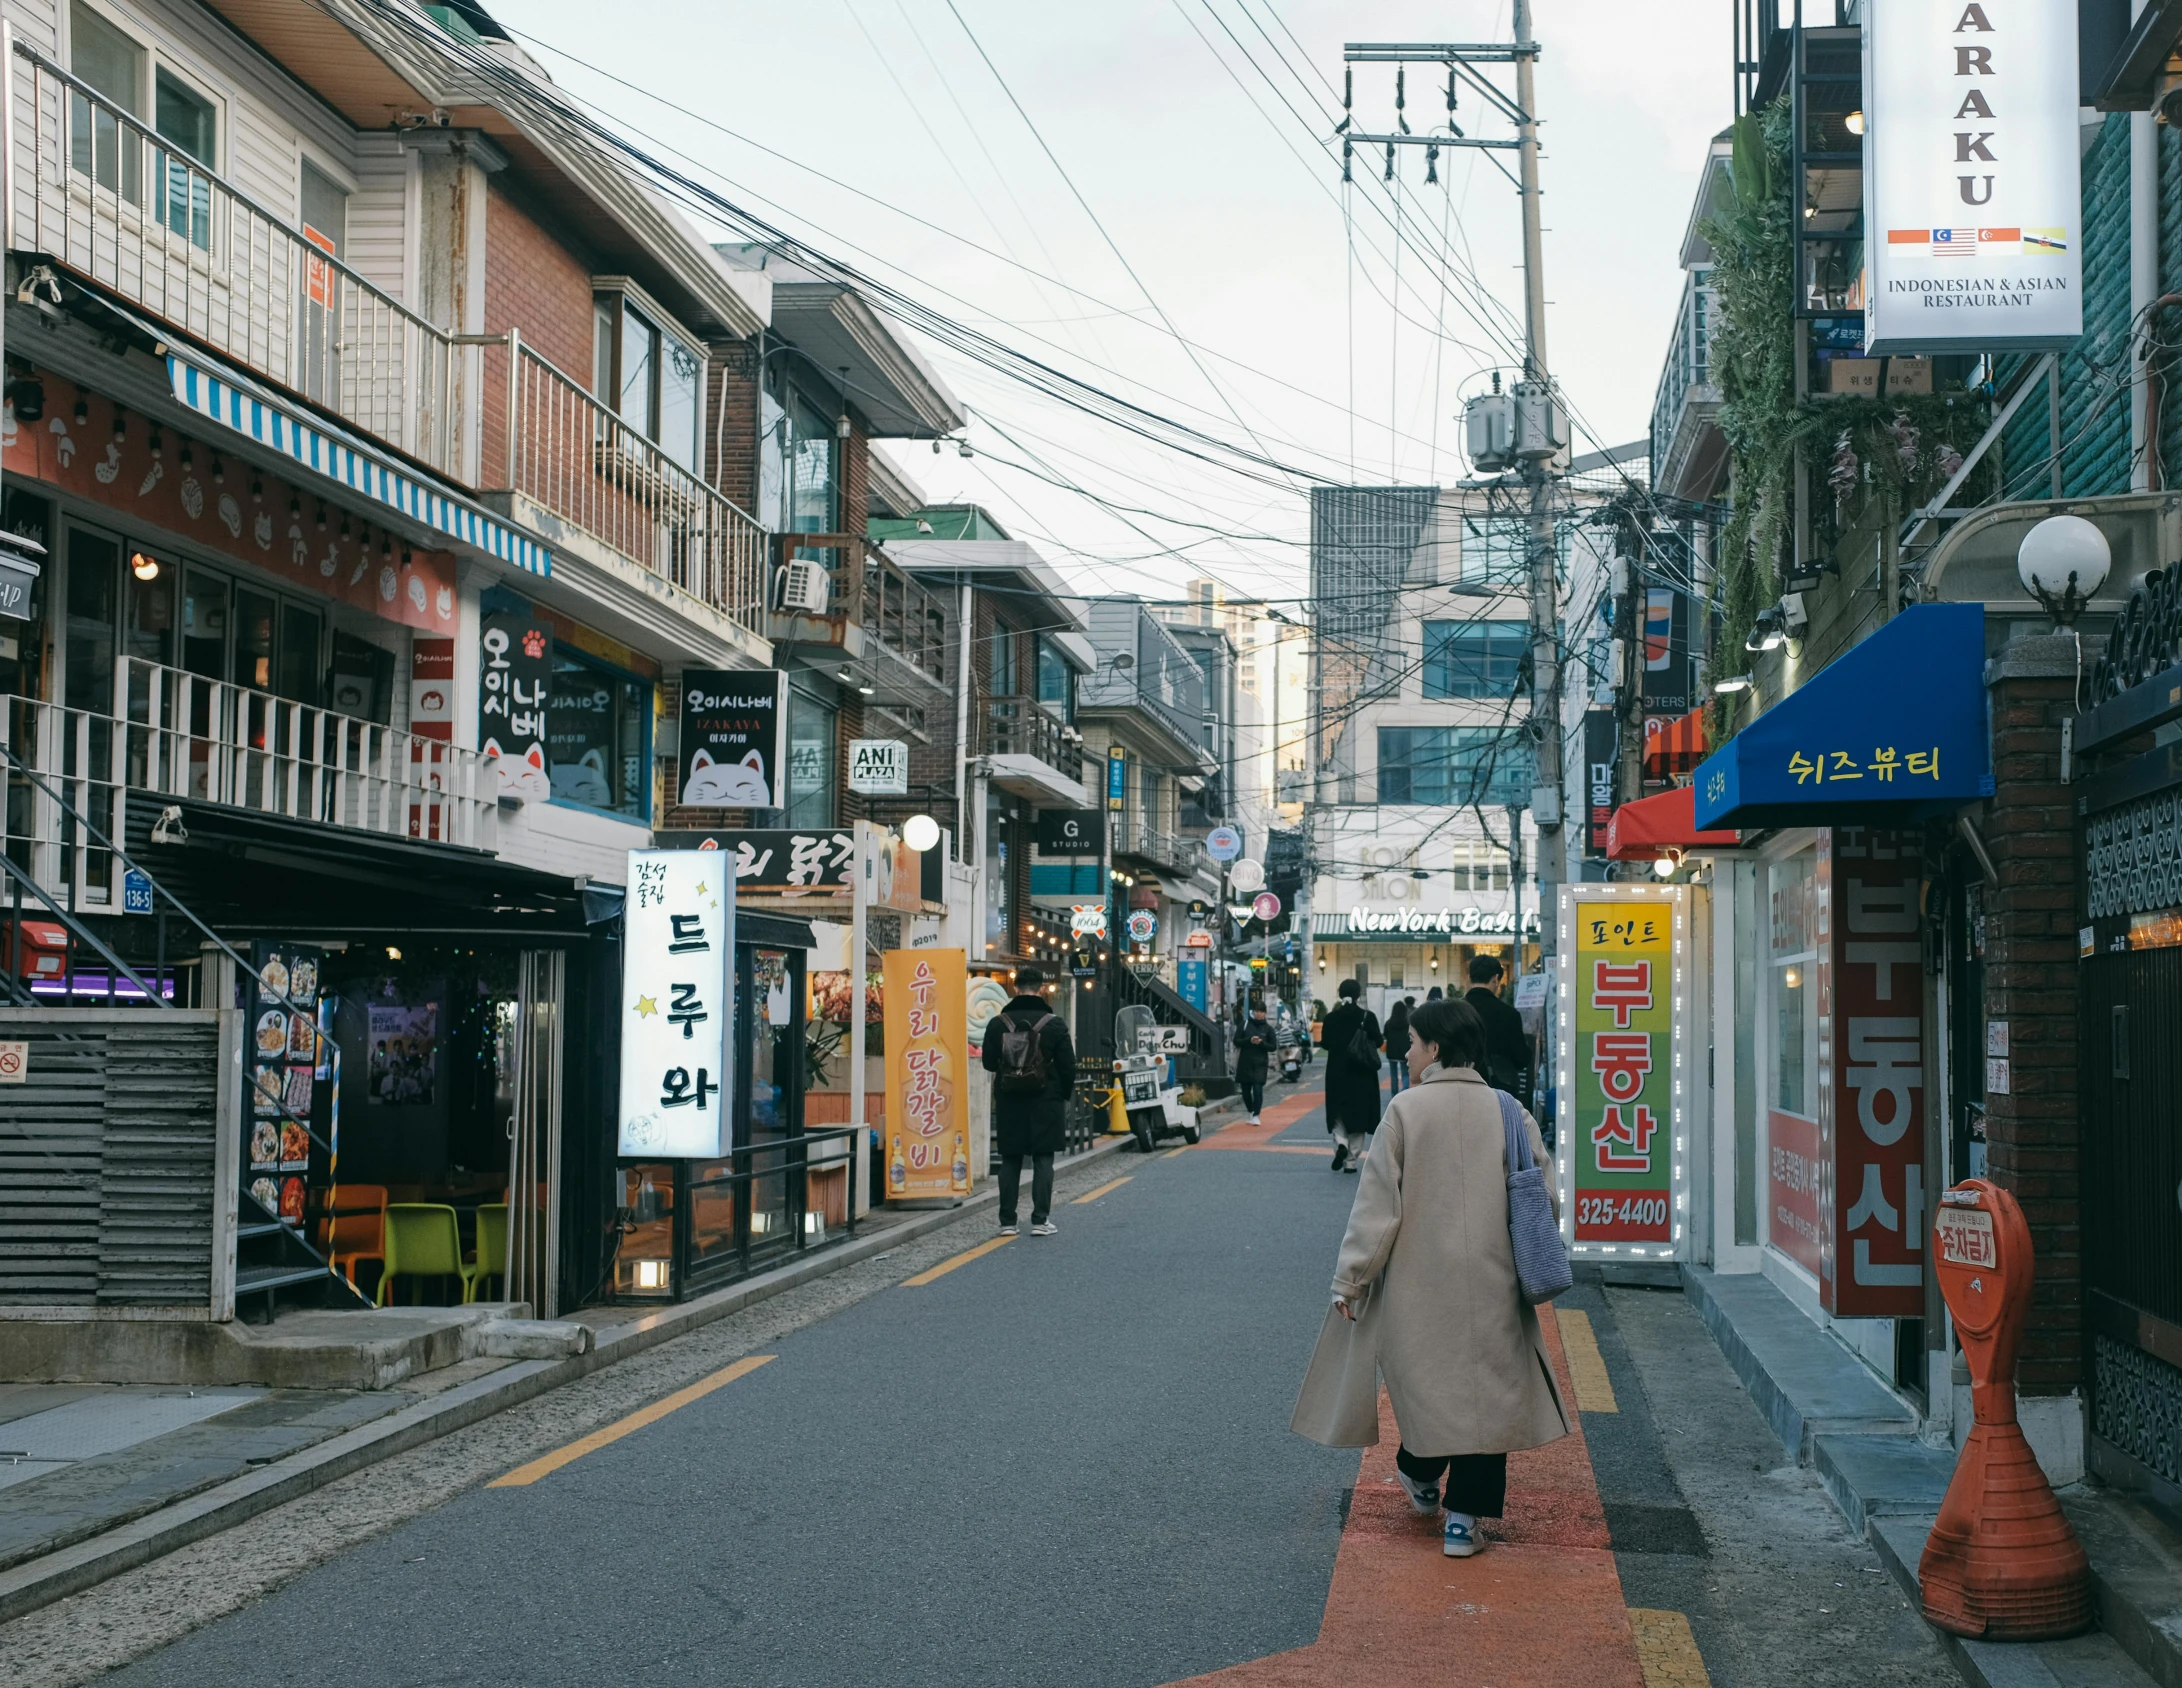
(1972,194)
(1623,1019)
(677,1005)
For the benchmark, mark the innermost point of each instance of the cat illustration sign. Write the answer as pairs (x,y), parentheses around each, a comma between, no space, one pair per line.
(515,674)
(733,730)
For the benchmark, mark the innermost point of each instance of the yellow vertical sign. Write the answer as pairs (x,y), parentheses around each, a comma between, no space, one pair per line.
(926,999)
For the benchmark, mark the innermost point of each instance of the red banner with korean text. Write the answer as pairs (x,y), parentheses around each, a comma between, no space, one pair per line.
(1796,1169)
(1872,1109)
(1622,1144)
(926,996)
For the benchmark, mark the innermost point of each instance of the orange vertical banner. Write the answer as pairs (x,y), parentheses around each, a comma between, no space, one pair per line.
(926,998)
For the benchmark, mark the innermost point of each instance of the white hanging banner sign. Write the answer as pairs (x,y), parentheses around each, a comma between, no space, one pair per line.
(677,1004)
(1973,228)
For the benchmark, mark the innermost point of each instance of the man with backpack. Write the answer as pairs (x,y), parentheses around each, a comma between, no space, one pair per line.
(1034,1073)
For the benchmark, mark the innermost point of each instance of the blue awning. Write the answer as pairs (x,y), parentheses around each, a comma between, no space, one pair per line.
(236,402)
(1890,732)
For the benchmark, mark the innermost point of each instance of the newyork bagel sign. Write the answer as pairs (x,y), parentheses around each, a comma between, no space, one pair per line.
(1972,197)
(1446,922)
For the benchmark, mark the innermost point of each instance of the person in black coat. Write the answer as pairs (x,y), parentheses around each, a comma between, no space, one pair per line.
(1352,1085)
(1397,1047)
(1253,1050)
(1030,1126)
(1507,1047)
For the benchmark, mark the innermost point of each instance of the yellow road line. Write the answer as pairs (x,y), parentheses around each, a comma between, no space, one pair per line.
(1666,1650)
(547,1464)
(1586,1367)
(1093,1195)
(948,1265)
(1171,1153)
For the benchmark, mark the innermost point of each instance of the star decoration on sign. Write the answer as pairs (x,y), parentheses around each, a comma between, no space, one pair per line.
(702,887)
(646,1006)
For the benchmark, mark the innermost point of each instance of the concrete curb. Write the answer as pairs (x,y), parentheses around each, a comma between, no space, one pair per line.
(84,1564)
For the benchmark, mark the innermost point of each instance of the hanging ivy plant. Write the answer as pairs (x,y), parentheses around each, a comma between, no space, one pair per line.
(1901,448)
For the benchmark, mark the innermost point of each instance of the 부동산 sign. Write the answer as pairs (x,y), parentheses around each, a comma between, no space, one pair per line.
(677,1004)
(1972,192)
(1620,1145)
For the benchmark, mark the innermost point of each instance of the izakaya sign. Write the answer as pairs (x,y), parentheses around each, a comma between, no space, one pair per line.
(1621,1069)
(677,1004)
(1972,197)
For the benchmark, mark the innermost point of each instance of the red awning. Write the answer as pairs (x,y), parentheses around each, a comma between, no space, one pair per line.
(1643,830)
(1674,747)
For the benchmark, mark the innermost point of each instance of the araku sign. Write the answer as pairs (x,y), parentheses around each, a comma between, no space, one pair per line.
(1971,194)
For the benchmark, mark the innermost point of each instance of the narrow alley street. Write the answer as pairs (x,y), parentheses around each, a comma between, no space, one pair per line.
(1047,1460)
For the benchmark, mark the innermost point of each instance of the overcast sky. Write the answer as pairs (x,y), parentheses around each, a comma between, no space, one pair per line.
(1228,216)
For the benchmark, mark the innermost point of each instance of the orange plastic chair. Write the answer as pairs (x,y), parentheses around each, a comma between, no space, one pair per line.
(357,1229)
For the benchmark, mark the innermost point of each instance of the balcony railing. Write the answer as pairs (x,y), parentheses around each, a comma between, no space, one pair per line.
(1686,398)
(1133,836)
(906,619)
(102,194)
(572,455)
(1021,726)
(176,734)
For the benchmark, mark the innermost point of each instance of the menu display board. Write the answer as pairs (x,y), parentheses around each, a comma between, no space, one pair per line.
(285,1060)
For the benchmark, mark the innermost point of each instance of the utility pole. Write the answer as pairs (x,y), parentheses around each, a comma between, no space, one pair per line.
(1540,429)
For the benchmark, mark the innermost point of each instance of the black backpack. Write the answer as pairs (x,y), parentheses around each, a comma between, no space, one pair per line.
(1022,1056)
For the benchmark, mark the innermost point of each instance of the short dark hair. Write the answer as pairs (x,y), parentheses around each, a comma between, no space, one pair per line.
(1484,969)
(1454,1027)
(1028,979)
(1350,988)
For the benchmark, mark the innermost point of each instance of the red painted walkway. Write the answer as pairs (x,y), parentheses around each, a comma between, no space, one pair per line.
(1542,1604)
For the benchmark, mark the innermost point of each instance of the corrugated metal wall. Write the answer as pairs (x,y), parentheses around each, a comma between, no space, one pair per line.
(107,1157)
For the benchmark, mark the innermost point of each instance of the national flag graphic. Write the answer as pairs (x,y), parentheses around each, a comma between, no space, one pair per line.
(2000,243)
(1909,237)
(1954,243)
(2045,243)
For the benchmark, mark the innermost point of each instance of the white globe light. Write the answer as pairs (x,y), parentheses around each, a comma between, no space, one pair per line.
(2062,549)
(920,832)
(1665,867)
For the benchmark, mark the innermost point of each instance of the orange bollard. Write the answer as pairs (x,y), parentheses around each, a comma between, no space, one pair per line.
(2002,1562)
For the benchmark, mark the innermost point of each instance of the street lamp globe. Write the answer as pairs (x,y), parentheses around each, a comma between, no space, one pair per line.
(2062,562)
(920,832)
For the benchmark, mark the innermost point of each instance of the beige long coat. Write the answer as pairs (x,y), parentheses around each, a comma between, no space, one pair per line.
(1459,1348)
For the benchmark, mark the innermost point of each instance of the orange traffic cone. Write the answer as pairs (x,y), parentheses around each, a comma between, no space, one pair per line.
(2002,1562)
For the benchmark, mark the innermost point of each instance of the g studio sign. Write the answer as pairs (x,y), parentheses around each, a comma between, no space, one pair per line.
(1972,199)
(1471,920)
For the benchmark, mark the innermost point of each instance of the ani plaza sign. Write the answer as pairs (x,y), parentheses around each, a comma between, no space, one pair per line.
(1972,199)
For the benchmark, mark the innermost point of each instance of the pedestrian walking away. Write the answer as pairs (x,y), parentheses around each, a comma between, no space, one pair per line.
(1397,1046)
(1425,1294)
(1506,1065)
(1027,1050)
(1253,1052)
(1351,1038)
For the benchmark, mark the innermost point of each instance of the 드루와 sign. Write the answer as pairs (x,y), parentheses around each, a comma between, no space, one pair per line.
(879,767)
(926,1003)
(677,1005)
(1972,188)
(732,752)
(515,673)
(1622,1142)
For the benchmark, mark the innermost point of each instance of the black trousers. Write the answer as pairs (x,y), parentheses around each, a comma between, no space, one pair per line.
(1253,1090)
(1476,1483)
(1041,1187)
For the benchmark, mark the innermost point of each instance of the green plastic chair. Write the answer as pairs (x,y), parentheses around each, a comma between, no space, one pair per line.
(422,1242)
(491,1259)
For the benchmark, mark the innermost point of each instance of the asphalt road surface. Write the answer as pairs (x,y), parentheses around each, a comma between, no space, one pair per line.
(1063,1460)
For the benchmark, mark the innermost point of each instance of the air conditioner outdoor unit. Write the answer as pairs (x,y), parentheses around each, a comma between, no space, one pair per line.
(804,586)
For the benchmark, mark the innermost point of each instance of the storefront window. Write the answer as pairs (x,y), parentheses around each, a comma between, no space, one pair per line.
(94,569)
(597,731)
(1056,684)
(1794,996)
(810,760)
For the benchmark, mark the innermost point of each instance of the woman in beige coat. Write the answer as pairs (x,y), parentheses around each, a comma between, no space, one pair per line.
(1426,1284)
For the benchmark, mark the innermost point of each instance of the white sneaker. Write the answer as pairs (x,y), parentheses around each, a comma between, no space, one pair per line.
(1044,1228)
(1459,1538)
(1424,1498)
(1011,1230)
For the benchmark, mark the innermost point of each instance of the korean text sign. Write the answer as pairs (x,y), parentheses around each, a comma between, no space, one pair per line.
(734,728)
(926,996)
(1622,1145)
(1872,1112)
(1972,192)
(515,671)
(677,1005)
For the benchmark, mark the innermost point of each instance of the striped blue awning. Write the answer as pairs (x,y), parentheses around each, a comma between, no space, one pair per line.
(254,413)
